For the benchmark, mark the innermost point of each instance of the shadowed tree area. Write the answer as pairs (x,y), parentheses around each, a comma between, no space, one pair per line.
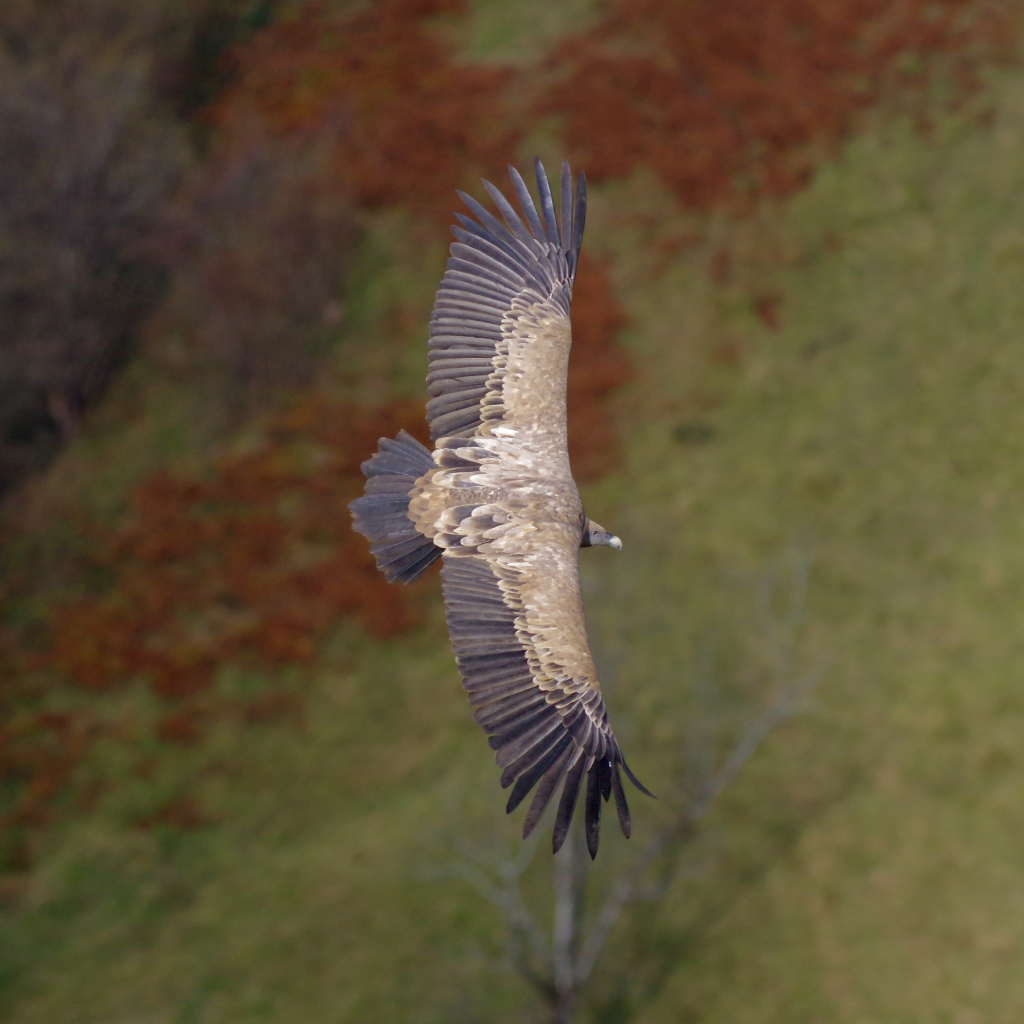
(90,154)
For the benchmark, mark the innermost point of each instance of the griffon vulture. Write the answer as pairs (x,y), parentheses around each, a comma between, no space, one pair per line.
(496,500)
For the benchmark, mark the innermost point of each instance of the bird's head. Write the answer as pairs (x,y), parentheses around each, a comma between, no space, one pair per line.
(593,534)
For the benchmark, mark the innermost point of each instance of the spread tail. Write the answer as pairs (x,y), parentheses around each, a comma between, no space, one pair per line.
(381,514)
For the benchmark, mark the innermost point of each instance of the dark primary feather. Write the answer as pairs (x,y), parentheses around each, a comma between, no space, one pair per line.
(592,815)
(511,218)
(566,184)
(579,219)
(567,804)
(547,204)
(526,203)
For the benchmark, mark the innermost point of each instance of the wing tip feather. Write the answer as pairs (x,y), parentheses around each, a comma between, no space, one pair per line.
(567,803)
(636,782)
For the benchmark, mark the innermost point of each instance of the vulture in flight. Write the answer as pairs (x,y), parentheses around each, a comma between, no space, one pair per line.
(496,500)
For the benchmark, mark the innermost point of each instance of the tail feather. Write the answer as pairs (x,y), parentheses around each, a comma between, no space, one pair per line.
(381,514)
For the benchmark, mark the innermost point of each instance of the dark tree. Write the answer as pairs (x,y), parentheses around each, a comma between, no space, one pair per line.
(90,146)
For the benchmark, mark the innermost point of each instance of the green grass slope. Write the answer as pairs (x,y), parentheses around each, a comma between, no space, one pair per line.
(868,865)
(881,428)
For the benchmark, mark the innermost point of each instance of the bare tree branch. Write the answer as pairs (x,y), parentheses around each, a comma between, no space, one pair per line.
(560,968)
(625,890)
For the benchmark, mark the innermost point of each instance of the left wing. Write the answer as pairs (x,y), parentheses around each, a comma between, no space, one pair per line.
(518,633)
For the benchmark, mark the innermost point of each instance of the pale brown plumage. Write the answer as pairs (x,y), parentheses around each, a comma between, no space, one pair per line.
(497,499)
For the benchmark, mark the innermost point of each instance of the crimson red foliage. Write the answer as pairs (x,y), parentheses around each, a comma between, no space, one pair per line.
(410,121)
(768,307)
(38,753)
(597,367)
(247,567)
(183,812)
(251,565)
(727,97)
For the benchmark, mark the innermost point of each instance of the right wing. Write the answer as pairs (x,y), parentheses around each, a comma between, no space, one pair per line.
(499,333)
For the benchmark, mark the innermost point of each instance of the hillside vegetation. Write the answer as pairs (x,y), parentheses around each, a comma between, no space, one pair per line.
(834,381)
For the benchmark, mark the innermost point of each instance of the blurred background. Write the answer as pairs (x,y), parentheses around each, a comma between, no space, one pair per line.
(238,777)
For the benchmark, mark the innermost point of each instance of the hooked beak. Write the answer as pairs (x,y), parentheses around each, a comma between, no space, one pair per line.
(595,535)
